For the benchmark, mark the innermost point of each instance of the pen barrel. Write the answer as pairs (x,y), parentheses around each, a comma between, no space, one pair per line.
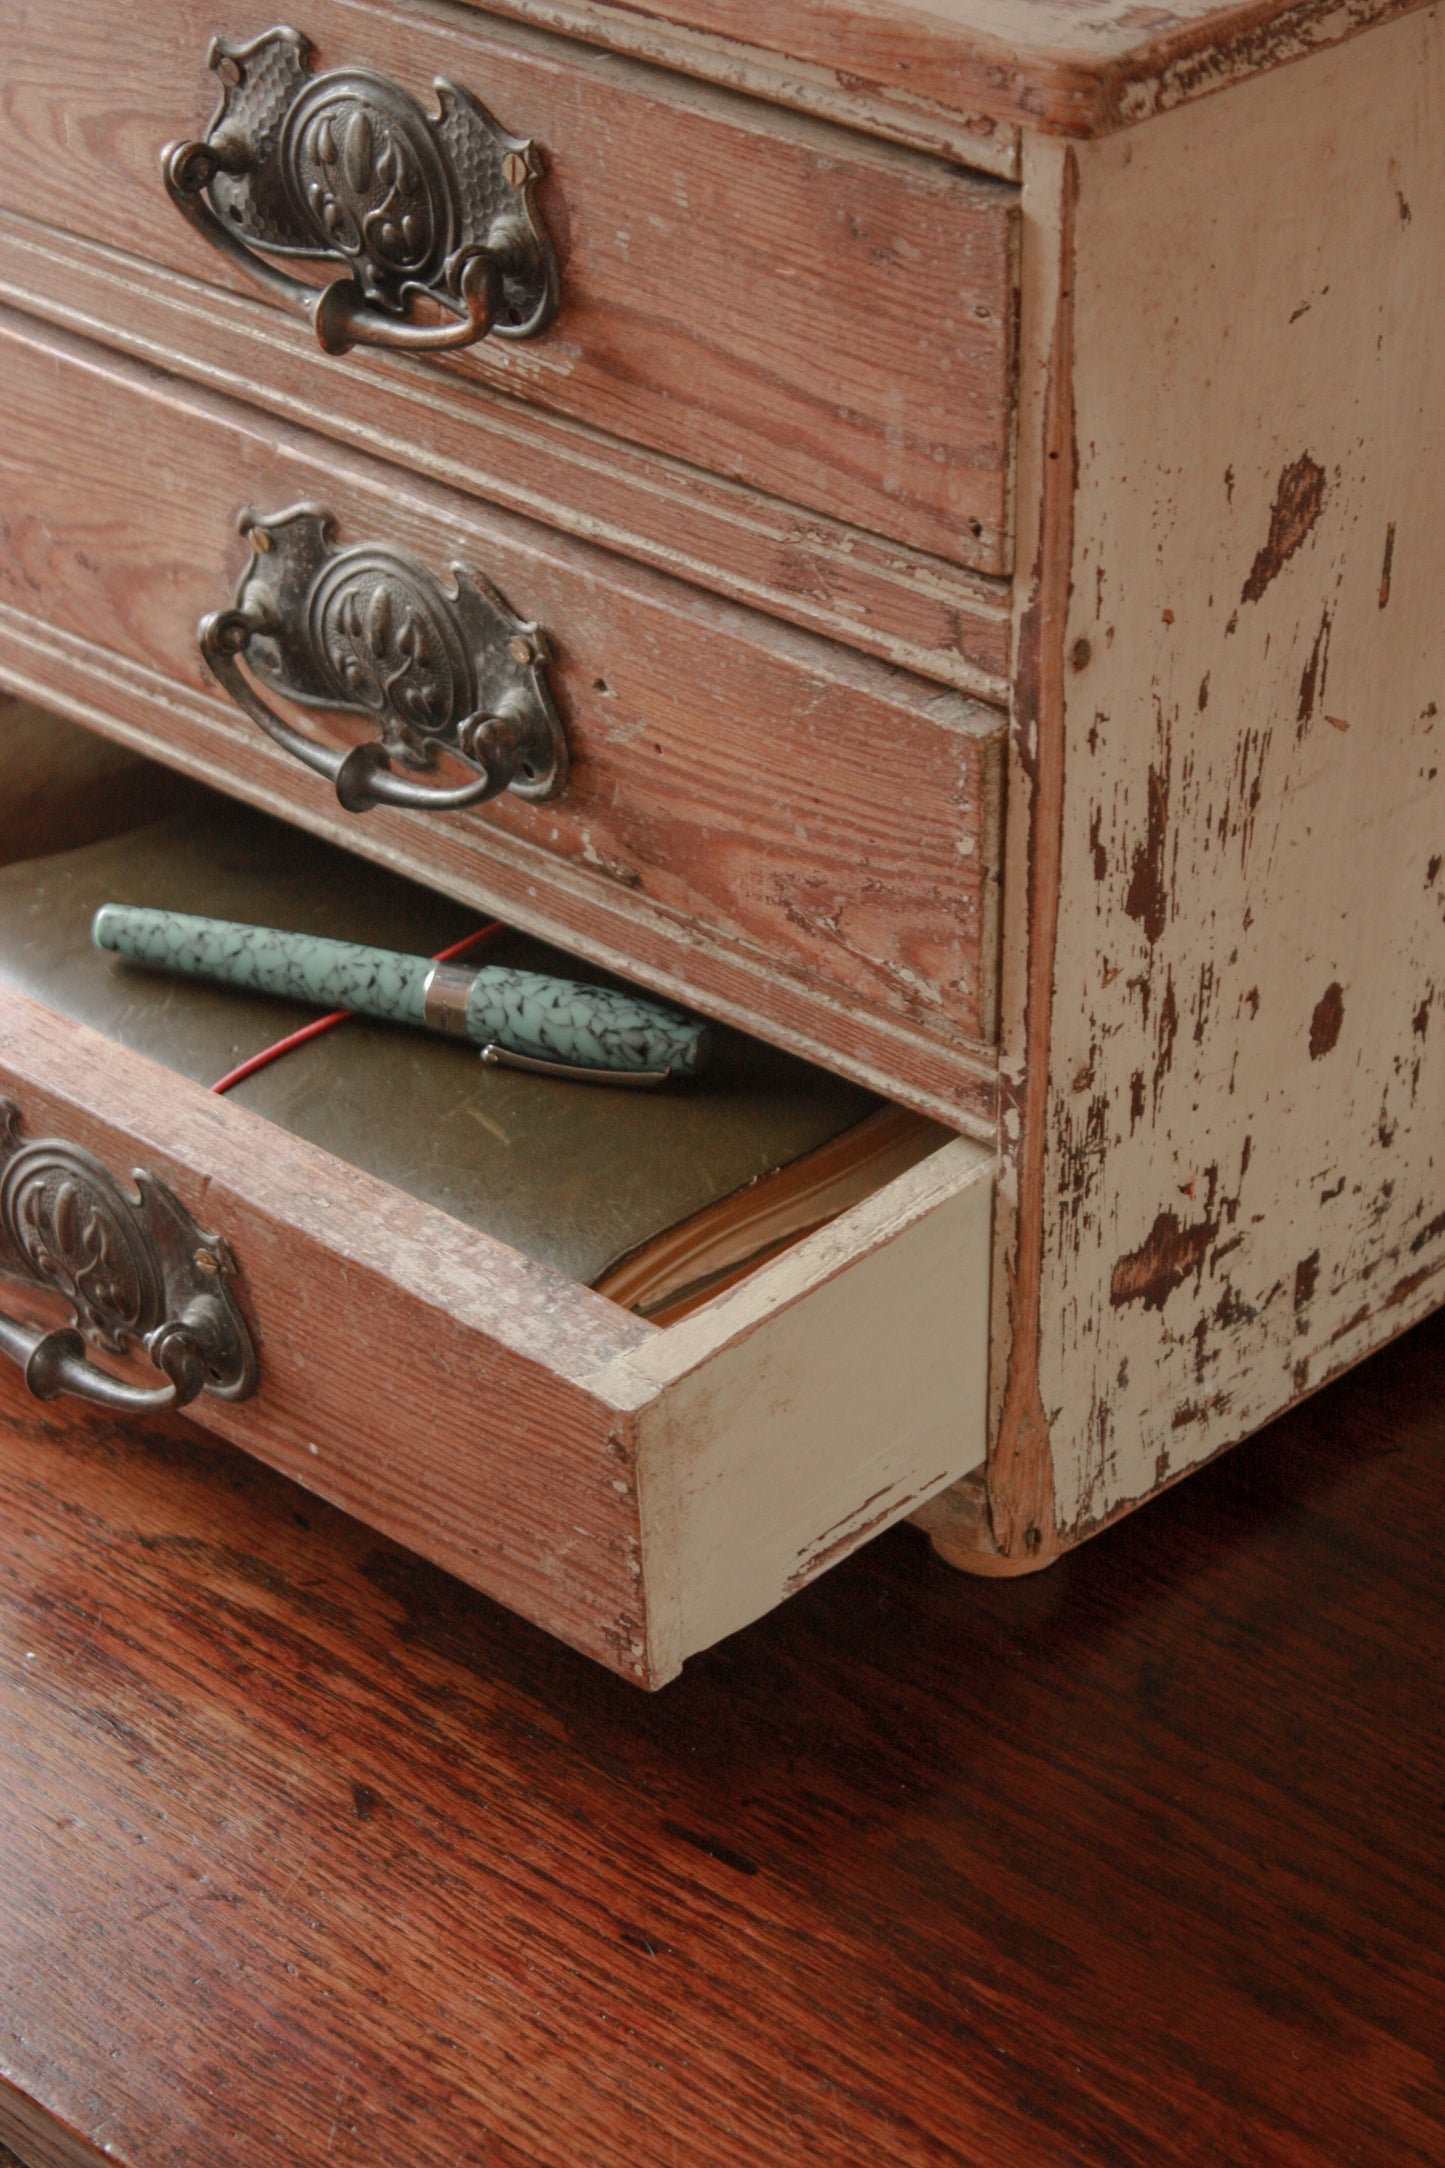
(526,1012)
(563,1020)
(261,959)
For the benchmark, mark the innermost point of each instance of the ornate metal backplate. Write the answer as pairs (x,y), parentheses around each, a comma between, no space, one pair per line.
(135,1269)
(370,631)
(347,167)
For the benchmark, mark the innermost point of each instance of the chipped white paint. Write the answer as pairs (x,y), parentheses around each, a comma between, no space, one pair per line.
(815,1404)
(1247,1068)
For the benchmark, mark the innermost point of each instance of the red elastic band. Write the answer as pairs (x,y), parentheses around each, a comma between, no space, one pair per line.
(338,1016)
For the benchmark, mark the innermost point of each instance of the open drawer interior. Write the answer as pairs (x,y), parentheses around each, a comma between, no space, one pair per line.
(637,1363)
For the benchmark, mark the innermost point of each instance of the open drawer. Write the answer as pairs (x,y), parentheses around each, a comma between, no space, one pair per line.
(638,1490)
(794,838)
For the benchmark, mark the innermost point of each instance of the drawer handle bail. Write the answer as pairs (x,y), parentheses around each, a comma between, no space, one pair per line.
(346,168)
(370,631)
(135,1269)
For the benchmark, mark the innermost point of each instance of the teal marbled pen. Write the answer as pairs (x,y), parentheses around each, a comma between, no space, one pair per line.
(520,1019)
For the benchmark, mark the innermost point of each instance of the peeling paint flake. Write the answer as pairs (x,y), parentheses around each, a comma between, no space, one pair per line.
(1329,1014)
(1312,680)
(1148,897)
(1306,1279)
(1169,1256)
(1298,503)
(1428,1234)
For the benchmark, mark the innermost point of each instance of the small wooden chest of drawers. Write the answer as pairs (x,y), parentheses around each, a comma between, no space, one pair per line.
(981,570)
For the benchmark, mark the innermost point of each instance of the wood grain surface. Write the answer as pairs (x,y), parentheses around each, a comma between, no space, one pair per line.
(310,1857)
(830,815)
(752,291)
(828,575)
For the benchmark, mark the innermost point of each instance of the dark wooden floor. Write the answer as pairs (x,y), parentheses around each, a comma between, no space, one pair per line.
(309,1857)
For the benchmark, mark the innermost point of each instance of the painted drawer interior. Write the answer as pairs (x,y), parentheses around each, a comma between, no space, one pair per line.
(638,1488)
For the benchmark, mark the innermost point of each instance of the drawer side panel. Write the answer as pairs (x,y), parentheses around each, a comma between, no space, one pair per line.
(816,1404)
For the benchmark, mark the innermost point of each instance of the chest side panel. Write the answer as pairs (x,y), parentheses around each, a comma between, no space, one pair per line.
(1246,1080)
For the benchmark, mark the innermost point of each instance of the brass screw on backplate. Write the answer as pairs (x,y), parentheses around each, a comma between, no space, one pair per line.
(229,69)
(519,649)
(516,169)
(206,1261)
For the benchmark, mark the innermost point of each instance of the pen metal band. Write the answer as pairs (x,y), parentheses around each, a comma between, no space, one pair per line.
(444,996)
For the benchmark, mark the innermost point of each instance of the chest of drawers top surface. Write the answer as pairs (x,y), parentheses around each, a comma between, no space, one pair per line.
(968,76)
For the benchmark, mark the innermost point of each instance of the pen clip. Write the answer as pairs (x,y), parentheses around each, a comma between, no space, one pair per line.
(502,1057)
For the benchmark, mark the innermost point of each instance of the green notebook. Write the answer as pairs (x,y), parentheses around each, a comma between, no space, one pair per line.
(573,1175)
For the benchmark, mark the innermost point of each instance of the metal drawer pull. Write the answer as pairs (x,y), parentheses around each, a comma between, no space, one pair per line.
(372,632)
(136,1271)
(346,168)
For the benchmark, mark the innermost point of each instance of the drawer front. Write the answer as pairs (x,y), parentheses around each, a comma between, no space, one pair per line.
(940,620)
(741,800)
(639,1492)
(762,296)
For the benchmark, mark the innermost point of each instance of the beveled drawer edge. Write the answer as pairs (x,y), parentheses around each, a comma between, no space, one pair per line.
(542,896)
(883,596)
(976,139)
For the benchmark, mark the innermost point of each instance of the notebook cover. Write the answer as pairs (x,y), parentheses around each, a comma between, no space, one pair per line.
(573,1175)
